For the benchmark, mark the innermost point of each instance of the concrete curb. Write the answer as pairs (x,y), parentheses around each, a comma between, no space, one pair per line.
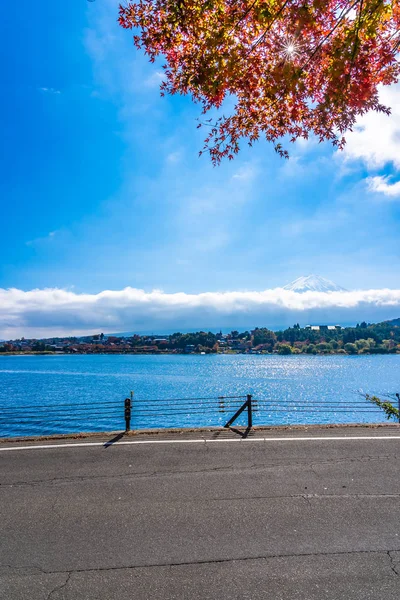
(200,430)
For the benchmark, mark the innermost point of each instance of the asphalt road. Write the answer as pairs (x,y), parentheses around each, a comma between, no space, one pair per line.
(292,519)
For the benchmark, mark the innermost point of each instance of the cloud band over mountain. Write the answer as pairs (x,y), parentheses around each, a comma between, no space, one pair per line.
(48,312)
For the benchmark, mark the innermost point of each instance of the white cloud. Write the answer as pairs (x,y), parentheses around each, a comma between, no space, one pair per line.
(376,138)
(154,80)
(245,173)
(174,157)
(322,221)
(47,238)
(56,311)
(47,90)
(382,185)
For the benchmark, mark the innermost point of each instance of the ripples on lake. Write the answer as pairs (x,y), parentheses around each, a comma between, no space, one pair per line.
(293,383)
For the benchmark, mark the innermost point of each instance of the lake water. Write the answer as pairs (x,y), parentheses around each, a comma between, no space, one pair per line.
(62,394)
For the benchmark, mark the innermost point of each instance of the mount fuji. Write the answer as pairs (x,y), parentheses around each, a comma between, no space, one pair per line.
(313,283)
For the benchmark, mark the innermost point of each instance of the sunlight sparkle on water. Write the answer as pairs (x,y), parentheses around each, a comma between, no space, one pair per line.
(292,384)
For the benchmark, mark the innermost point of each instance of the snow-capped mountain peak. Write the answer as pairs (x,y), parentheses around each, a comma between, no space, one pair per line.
(313,283)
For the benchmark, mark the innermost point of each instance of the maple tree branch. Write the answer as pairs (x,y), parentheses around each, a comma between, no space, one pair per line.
(262,38)
(355,45)
(394,34)
(205,124)
(358,27)
(353,55)
(301,70)
(340,19)
(397,43)
(343,14)
(242,18)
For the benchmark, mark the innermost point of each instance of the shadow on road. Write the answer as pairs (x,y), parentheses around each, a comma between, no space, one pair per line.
(243,433)
(114,440)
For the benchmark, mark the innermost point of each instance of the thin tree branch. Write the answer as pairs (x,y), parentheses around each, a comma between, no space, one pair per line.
(355,45)
(262,38)
(343,14)
(242,18)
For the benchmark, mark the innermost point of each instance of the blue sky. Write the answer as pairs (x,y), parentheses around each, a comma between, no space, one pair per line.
(102,186)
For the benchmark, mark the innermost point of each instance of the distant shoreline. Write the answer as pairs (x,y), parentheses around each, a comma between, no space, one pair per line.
(365,338)
(333,353)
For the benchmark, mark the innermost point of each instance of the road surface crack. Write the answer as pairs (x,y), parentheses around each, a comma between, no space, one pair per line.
(123,476)
(70,572)
(60,587)
(394,565)
(255,467)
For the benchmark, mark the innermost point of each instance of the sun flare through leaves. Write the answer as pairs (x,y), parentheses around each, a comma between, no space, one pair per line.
(290,48)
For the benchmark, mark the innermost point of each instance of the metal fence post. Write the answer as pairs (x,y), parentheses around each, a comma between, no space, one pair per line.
(398,398)
(249,411)
(128,410)
(245,406)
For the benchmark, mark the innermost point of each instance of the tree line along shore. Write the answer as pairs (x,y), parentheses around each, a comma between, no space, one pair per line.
(364,338)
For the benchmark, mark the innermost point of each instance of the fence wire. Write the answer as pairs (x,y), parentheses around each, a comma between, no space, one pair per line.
(109,415)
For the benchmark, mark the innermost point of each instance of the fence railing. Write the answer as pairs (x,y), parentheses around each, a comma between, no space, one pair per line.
(62,417)
(139,413)
(181,412)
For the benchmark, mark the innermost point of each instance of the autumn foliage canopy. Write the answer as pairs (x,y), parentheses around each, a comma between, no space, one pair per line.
(279,68)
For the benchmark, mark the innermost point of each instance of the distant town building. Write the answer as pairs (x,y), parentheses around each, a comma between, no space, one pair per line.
(189,348)
(323,327)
